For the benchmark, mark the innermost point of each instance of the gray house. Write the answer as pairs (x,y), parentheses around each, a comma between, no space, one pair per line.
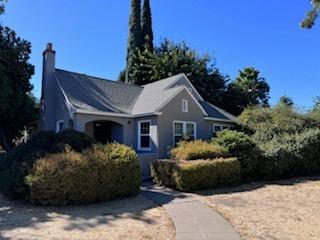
(150,118)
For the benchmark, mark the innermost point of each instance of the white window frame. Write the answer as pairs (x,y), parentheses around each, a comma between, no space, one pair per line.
(140,135)
(58,125)
(222,127)
(184,129)
(184,105)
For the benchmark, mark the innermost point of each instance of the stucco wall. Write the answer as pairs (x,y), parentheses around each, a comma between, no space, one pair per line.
(80,121)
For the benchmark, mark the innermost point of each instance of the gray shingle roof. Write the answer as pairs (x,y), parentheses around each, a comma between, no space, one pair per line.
(91,93)
(97,94)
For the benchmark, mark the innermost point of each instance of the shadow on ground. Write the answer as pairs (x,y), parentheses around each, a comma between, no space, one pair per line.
(17,214)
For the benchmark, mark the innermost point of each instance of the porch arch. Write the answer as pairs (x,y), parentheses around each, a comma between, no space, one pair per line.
(105,131)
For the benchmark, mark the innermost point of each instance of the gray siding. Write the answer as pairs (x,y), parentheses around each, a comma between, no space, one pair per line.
(173,112)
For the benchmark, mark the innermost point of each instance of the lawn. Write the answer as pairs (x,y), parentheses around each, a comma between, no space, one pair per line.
(288,209)
(132,218)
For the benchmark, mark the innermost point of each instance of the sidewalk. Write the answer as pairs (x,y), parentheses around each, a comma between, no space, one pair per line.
(192,219)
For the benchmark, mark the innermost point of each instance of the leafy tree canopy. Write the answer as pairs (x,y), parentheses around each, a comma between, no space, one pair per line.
(286,101)
(18,107)
(2,6)
(170,59)
(312,15)
(248,89)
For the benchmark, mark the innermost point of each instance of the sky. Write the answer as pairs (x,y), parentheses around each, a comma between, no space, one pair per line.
(91,37)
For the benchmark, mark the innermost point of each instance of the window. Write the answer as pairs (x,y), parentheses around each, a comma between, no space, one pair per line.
(184,105)
(218,128)
(144,139)
(60,126)
(183,130)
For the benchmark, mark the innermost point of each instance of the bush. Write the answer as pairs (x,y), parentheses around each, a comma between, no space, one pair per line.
(241,146)
(196,175)
(292,155)
(101,173)
(197,150)
(22,158)
(78,141)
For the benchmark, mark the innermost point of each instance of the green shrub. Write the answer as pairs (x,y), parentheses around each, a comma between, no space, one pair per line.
(78,141)
(241,146)
(196,175)
(41,143)
(292,155)
(197,150)
(101,173)
(269,122)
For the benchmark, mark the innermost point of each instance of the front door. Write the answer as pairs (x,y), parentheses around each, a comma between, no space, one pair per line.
(102,132)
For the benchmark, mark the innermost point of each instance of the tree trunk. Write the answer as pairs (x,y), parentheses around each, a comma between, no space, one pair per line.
(4,140)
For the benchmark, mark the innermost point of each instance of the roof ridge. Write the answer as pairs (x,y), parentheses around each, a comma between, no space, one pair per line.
(176,75)
(100,78)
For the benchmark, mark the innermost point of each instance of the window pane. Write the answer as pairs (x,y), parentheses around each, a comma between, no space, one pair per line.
(190,129)
(217,128)
(184,106)
(145,142)
(178,128)
(145,128)
(225,127)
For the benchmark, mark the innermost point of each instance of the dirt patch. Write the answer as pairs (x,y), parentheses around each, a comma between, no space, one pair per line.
(132,218)
(285,210)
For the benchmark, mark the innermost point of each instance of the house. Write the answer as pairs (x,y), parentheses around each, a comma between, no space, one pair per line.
(150,118)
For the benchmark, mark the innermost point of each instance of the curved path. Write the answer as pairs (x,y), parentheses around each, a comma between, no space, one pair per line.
(192,219)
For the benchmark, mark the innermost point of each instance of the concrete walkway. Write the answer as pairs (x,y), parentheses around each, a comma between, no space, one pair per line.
(192,219)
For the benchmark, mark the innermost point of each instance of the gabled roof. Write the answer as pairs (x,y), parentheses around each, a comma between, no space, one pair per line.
(89,94)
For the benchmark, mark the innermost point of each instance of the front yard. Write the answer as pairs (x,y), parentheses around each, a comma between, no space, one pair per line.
(132,218)
(288,209)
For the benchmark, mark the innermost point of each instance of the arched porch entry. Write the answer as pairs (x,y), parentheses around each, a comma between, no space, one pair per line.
(105,131)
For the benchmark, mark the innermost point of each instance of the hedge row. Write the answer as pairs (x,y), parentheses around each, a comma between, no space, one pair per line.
(198,149)
(67,168)
(196,175)
(101,173)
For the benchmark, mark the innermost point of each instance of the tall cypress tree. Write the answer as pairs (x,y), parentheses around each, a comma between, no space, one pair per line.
(135,37)
(146,25)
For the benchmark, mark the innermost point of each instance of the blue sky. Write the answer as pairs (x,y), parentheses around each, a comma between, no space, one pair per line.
(90,37)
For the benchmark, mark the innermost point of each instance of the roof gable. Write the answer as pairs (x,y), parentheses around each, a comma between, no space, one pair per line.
(91,94)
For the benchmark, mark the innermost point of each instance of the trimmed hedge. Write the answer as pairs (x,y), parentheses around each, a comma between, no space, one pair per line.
(101,173)
(241,146)
(196,175)
(198,150)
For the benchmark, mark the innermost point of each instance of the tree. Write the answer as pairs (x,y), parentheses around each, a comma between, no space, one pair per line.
(170,59)
(135,37)
(248,89)
(312,15)
(18,106)
(2,7)
(286,101)
(146,26)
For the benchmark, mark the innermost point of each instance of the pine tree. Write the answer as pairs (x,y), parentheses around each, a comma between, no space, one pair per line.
(134,39)
(146,25)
